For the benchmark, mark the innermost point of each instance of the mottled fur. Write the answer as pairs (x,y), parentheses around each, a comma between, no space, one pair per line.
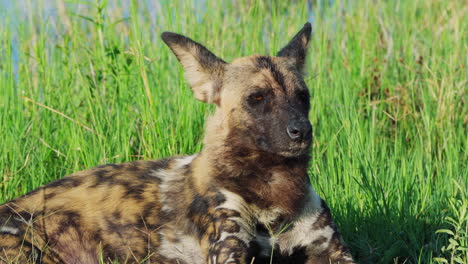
(246,194)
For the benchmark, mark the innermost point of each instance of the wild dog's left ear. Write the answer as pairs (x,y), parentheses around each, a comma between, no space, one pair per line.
(296,50)
(203,70)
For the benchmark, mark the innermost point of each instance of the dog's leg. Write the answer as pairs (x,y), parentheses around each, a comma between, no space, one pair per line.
(231,249)
(315,232)
(329,247)
(224,225)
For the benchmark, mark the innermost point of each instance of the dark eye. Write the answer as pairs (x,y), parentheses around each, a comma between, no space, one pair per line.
(303,96)
(256,98)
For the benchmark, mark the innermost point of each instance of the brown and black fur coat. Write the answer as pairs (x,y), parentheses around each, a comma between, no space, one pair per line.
(245,198)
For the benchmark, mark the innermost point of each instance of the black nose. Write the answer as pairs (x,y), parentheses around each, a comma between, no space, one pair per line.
(299,130)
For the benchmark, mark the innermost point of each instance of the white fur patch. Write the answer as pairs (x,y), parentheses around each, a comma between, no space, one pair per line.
(169,177)
(181,162)
(186,249)
(269,216)
(9,230)
(303,234)
(236,203)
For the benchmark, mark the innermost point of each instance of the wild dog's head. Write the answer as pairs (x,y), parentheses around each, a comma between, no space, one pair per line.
(262,101)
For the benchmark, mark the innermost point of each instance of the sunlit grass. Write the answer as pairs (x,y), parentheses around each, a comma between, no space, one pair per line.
(94,84)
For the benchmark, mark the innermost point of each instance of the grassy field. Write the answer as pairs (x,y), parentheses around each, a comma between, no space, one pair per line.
(83,84)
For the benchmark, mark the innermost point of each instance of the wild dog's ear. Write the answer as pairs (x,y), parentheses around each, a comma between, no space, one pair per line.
(296,50)
(203,70)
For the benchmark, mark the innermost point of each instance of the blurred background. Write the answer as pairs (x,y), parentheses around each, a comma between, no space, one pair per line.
(84,83)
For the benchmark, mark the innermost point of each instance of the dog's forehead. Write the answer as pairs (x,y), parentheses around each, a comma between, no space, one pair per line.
(256,62)
(259,70)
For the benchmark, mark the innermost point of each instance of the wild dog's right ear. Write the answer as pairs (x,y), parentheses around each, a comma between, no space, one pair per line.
(203,70)
(296,50)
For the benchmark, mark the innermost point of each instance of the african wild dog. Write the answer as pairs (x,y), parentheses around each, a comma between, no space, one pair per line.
(245,195)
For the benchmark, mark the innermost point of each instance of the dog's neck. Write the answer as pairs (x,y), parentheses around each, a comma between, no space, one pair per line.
(261,178)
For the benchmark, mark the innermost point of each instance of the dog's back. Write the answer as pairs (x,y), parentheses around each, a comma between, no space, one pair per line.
(112,212)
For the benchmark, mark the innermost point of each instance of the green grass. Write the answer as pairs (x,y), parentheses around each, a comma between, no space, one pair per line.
(389,104)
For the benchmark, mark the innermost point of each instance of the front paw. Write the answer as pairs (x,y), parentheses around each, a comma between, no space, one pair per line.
(231,250)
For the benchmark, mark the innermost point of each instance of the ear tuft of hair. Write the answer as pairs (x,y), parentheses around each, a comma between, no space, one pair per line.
(171,37)
(203,70)
(296,49)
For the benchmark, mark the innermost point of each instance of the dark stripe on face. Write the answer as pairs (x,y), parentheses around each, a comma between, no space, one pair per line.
(265,62)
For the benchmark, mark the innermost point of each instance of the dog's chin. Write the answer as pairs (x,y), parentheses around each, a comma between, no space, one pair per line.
(294,152)
(288,151)
(291,151)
